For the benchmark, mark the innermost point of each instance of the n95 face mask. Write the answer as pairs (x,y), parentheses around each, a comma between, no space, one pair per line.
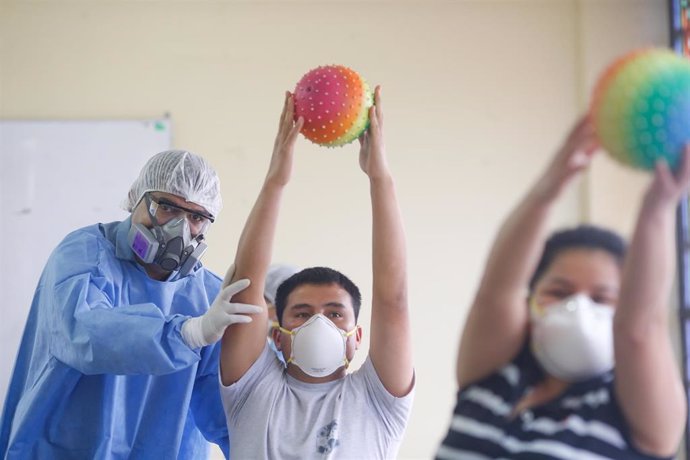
(318,346)
(573,340)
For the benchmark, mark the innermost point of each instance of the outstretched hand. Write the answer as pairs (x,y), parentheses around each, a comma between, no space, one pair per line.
(573,157)
(208,328)
(283,148)
(372,153)
(668,187)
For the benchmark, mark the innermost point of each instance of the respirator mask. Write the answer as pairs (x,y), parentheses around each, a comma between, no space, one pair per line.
(573,339)
(319,347)
(170,245)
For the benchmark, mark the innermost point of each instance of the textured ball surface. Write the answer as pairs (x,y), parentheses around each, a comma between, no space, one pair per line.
(641,107)
(334,102)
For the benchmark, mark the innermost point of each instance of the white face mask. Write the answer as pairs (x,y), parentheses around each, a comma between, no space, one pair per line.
(573,340)
(318,346)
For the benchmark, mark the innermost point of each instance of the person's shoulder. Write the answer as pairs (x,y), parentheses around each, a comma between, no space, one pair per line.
(366,377)
(81,251)
(265,373)
(509,381)
(210,275)
(525,363)
(81,239)
(89,231)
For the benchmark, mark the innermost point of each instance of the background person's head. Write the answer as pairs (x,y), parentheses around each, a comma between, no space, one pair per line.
(277,273)
(585,259)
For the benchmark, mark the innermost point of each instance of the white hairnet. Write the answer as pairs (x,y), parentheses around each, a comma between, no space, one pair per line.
(180,173)
(277,273)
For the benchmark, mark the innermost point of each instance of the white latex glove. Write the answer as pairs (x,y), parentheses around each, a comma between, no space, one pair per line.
(208,328)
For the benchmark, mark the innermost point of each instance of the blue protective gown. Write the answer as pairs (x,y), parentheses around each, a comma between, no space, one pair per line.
(102,370)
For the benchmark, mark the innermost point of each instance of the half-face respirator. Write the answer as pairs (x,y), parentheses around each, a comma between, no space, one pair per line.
(171,245)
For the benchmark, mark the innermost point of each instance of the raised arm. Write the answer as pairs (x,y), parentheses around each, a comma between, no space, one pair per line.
(497,323)
(648,384)
(390,347)
(242,344)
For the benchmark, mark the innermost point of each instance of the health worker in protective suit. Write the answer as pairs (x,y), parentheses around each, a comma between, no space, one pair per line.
(119,358)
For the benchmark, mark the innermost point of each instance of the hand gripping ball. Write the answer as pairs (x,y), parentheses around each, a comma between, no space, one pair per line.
(641,107)
(334,102)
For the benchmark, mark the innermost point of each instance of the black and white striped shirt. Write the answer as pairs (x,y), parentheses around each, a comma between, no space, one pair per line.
(585,423)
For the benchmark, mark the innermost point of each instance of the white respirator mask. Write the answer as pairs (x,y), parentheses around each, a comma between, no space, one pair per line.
(318,346)
(573,339)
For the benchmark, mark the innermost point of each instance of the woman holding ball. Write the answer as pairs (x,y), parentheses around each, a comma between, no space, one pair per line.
(551,317)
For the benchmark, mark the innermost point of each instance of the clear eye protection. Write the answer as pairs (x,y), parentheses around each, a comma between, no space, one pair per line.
(162,211)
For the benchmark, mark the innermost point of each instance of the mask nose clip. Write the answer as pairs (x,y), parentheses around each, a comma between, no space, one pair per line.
(576,303)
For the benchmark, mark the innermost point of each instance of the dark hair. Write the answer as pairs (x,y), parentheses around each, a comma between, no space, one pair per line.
(580,237)
(319,276)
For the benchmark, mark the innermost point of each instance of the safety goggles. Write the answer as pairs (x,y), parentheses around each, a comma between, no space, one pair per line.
(165,210)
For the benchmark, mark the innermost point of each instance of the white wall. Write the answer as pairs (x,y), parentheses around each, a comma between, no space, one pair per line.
(477,95)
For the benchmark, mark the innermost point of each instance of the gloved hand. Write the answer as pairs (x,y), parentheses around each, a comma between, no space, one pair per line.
(208,328)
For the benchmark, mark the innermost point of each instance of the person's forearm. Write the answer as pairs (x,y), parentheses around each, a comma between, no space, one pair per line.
(497,323)
(242,344)
(255,247)
(389,252)
(518,245)
(648,272)
(390,347)
(645,361)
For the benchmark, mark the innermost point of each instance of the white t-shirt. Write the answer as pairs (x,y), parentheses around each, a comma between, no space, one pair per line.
(272,415)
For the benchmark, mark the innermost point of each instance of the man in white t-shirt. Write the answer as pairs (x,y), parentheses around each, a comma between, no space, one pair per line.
(313,408)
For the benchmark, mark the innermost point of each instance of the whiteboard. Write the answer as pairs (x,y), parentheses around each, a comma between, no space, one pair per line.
(57,176)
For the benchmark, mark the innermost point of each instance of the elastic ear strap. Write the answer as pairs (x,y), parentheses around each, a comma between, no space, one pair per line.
(348,334)
(282,329)
(534,308)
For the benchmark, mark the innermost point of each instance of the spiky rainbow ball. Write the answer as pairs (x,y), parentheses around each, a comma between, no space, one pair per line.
(334,102)
(641,107)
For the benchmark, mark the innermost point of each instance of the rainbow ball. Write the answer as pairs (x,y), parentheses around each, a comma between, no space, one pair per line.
(641,108)
(334,102)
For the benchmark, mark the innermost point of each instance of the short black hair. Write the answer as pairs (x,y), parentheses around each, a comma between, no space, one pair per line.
(580,237)
(319,276)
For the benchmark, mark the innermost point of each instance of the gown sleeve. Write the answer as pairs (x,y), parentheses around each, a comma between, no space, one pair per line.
(92,336)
